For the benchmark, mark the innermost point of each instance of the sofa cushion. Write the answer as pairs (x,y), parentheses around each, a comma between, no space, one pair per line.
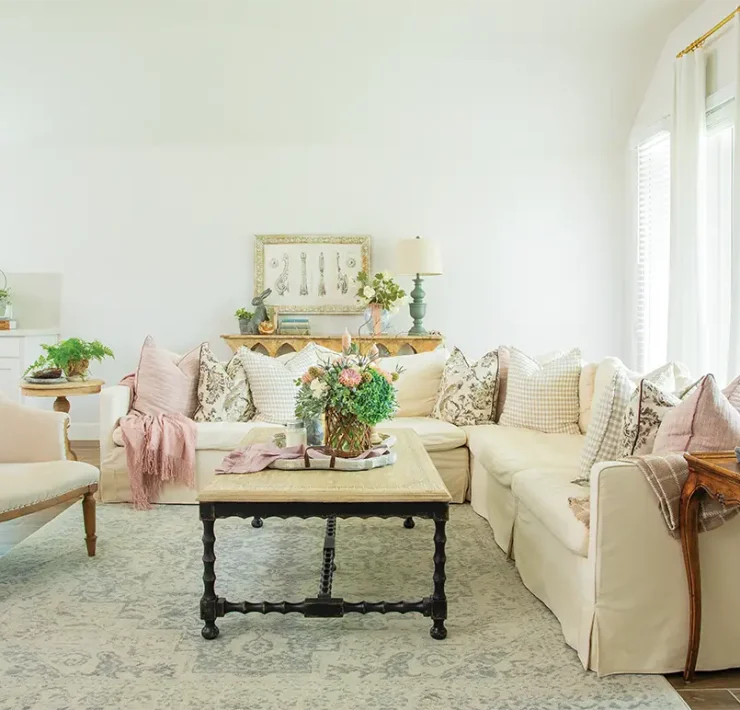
(24,484)
(165,385)
(586,385)
(227,436)
(272,382)
(435,434)
(221,436)
(704,421)
(223,390)
(504,451)
(467,392)
(543,397)
(418,384)
(545,493)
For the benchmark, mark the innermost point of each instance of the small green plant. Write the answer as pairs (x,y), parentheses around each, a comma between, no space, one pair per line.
(4,295)
(71,355)
(243,314)
(381,290)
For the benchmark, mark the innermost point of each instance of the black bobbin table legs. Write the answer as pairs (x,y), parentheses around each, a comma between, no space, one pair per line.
(409,523)
(439,600)
(209,598)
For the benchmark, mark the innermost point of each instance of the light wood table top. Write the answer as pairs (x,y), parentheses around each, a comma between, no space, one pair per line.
(65,389)
(413,478)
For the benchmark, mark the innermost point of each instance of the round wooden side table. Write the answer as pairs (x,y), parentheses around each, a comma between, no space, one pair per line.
(61,403)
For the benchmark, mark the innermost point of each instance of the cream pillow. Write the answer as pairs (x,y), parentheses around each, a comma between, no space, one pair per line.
(543,397)
(272,382)
(416,388)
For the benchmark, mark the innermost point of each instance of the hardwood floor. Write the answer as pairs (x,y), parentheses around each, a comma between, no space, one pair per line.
(710,691)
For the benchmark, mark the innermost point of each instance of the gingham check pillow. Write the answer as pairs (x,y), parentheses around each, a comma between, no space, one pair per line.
(273,382)
(604,436)
(543,397)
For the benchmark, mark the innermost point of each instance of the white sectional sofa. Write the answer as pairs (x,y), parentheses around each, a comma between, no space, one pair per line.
(618,590)
(417,391)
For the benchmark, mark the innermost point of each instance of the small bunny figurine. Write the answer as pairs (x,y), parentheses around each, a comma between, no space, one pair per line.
(260,312)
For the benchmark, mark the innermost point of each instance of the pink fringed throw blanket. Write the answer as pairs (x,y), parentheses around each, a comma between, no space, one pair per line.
(159,449)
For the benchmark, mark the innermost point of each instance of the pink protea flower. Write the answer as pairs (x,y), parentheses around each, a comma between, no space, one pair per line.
(307,378)
(350,378)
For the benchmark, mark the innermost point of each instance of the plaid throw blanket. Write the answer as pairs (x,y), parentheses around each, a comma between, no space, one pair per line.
(666,475)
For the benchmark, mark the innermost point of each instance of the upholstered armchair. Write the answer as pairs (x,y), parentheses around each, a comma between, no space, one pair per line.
(34,471)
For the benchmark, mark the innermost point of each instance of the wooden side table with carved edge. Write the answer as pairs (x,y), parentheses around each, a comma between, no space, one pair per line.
(718,474)
(392,343)
(61,403)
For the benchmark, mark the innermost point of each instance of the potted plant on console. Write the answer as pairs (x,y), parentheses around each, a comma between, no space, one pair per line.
(73,356)
(353,393)
(244,316)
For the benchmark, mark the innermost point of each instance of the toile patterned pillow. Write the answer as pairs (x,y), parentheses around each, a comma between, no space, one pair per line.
(223,390)
(467,393)
(644,414)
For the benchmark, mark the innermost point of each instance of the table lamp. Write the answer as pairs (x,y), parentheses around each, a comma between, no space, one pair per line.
(418,257)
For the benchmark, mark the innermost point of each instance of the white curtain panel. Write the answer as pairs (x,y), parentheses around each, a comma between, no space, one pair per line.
(687,312)
(734,334)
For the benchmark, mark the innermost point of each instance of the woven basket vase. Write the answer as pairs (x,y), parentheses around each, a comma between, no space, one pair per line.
(345,435)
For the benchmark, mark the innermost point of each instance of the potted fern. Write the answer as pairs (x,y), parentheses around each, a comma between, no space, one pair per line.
(73,356)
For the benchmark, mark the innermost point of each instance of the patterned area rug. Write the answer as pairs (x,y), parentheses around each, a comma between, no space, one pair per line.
(122,630)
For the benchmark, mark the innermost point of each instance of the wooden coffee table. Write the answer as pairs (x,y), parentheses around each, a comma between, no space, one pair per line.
(409,488)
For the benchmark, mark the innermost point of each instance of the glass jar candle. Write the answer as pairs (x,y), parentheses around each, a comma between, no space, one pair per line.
(295,434)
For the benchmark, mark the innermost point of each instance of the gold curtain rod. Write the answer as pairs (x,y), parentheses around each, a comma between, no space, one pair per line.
(698,42)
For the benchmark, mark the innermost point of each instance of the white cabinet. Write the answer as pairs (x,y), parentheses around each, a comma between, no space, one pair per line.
(18,350)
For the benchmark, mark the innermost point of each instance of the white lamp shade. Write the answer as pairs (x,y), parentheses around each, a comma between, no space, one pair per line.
(418,256)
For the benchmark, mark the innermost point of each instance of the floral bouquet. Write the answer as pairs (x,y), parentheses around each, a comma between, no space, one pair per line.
(354,393)
(381,290)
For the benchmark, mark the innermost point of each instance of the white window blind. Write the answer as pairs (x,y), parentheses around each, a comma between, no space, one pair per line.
(653,250)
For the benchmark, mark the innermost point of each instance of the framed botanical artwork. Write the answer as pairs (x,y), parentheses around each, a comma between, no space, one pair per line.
(310,273)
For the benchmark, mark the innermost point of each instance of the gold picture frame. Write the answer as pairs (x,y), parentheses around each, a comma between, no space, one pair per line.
(311,273)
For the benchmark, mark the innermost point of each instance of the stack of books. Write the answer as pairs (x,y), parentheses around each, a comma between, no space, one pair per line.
(8,324)
(293,325)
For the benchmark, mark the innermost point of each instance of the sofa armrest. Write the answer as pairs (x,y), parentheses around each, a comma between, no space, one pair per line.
(639,581)
(115,403)
(31,435)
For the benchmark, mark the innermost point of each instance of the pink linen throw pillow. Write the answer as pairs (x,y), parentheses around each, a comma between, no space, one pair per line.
(704,421)
(164,385)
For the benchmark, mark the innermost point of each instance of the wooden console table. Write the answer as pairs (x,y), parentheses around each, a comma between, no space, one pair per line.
(273,344)
(719,475)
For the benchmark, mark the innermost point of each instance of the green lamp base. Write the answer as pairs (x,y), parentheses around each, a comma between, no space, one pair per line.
(417,307)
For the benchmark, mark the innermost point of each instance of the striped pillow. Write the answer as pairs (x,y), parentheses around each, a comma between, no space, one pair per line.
(543,397)
(273,382)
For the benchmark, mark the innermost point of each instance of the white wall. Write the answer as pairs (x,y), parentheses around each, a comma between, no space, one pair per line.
(142,145)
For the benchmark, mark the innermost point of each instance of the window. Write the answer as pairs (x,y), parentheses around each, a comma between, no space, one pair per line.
(653,249)
(717,251)
(653,245)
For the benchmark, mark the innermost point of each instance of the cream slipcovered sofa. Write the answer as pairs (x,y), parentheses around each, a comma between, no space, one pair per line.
(417,391)
(618,591)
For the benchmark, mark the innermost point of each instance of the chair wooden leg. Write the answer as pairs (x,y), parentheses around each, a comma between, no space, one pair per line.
(88,513)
